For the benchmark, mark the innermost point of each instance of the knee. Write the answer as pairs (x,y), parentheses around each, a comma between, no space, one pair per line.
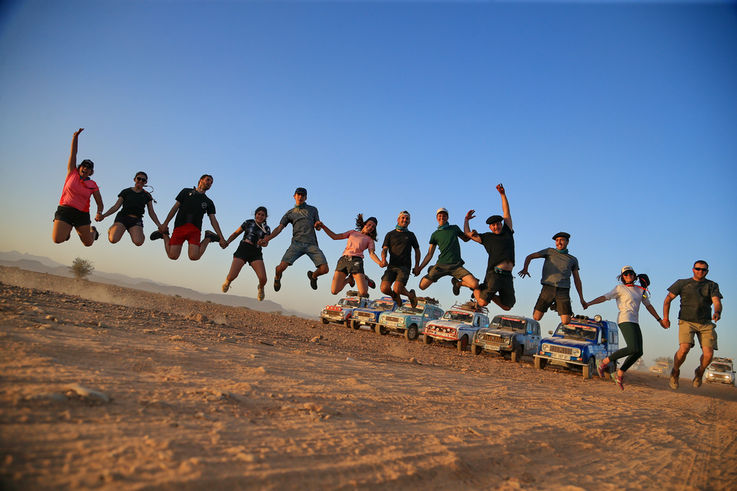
(505,308)
(138,242)
(322,269)
(385,289)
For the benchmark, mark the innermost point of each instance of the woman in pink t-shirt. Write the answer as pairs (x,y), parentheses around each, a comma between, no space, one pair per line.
(350,266)
(74,206)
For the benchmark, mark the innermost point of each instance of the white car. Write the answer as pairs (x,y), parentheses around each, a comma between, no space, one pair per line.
(458,325)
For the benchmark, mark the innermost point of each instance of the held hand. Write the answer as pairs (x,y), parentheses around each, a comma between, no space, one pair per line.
(99,218)
(716,316)
(500,188)
(470,215)
(318,225)
(523,273)
(164,229)
(416,271)
(223,243)
(585,305)
(665,323)
(383,263)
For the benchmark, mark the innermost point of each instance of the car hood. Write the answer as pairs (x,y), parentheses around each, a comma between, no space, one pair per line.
(567,342)
(501,332)
(453,324)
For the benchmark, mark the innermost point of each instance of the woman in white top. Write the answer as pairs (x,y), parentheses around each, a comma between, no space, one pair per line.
(629,296)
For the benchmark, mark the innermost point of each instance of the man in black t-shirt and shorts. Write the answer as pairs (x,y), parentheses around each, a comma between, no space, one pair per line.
(190,207)
(399,243)
(497,286)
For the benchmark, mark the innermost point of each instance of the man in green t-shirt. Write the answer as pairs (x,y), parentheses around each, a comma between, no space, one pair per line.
(450,262)
(694,319)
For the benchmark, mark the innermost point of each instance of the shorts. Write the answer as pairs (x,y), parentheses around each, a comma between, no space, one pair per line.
(456,270)
(299,249)
(561,297)
(248,253)
(705,332)
(396,273)
(72,216)
(129,221)
(350,265)
(186,232)
(498,281)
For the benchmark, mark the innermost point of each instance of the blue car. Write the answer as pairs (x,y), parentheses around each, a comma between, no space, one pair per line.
(583,342)
(369,316)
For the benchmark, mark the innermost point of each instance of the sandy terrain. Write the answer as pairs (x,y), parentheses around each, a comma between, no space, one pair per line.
(120,389)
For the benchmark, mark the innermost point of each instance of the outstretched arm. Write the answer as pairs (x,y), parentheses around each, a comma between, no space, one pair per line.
(524,272)
(112,210)
(330,233)
(654,313)
(600,299)
(376,258)
(470,234)
(235,234)
(424,262)
(505,206)
(72,164)
(265,241)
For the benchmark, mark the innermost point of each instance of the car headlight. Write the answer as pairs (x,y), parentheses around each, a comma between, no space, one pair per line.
(545,347)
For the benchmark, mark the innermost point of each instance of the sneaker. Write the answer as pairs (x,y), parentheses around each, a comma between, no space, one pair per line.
(277,284)
(212,236)
(600,370)
(412,298)
(618,380)
(97,234)
(260,295)
(313,281)
(351,281)
(456,286)
(697,378)
(226,286)
(156,234)
(370,282)
(673,382)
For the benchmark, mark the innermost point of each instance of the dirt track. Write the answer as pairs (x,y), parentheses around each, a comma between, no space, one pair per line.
(204,395)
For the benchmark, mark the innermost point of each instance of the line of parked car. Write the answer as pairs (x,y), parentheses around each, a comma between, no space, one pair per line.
(579,345)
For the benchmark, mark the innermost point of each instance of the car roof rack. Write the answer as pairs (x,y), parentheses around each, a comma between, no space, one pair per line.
(470,305)
(429,300)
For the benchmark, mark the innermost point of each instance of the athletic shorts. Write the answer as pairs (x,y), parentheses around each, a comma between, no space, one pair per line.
(706,333)
(561,296)
(248,253)
(72,216)
(186,232)
(350,265)
(456,270)
(298,249)
(396,273)
(129,221)
(501,282)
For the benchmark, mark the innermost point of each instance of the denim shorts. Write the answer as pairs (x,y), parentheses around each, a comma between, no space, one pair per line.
(298,249)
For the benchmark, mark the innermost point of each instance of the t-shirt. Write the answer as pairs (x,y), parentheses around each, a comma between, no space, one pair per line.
(253,232)
(695,299)
(192,207)
(628,298)
(134,203)
(446,239)
(357,243)
(557,268)
(400,245)
(303,223)
(76,192)
(499,246)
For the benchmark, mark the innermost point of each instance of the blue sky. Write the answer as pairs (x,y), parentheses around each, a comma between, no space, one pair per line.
(614,122)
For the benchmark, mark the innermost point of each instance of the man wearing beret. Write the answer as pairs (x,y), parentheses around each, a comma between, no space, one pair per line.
(499,244)
(558,267)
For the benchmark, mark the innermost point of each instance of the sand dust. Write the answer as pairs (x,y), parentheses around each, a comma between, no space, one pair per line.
(122,389)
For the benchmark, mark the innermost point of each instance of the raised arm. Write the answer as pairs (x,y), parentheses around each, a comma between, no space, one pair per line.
(72,164)
(524,272)
(470,234)
(505,206)
(112,209)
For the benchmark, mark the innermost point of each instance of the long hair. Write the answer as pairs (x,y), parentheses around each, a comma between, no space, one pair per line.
(360,222)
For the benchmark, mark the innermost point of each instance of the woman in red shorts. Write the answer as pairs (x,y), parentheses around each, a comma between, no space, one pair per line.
(73,211)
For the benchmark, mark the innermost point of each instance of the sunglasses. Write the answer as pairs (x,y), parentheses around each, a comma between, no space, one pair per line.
(141,179)
(700,269)
(628,273)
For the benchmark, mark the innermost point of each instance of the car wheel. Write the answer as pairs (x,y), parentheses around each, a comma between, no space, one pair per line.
(426,339)
(540,363)
(517,353)
(590,368)
(356,325)
(462,343)
(380,329)
(411,333)
(324,320)
(475,349)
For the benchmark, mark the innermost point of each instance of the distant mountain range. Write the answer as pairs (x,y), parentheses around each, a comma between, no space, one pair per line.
(42,264)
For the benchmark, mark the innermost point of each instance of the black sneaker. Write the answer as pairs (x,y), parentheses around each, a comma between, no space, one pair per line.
(97,234)
(370,282)
(313,281)
(456,286)
(277,284)
(212,236)
(156,234)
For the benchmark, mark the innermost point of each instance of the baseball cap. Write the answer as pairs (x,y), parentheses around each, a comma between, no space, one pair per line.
(626,268)
(441,210)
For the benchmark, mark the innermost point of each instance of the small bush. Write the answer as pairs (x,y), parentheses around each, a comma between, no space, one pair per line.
(81,268)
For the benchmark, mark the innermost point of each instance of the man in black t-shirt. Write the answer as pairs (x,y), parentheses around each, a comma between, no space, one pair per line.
(190,207)
(497,286)
(399,242)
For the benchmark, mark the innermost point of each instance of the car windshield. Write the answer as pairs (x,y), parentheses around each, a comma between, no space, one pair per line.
(501,322)
(408,309)
(454,315)
(349,302)
(720,367)
(381,305)
(577,331)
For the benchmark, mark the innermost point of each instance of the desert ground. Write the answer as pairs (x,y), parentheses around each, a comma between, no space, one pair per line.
(110,388)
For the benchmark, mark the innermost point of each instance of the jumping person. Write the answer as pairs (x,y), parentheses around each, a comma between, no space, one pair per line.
(694,319)
(498,286)
(253,229)
(133,200)
(399,243)
(629,296)
(303,218)
(450,262)
(558,267)
(73,211)
(350,265)
(190,207)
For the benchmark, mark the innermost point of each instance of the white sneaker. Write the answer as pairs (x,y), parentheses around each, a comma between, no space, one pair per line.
(260,295)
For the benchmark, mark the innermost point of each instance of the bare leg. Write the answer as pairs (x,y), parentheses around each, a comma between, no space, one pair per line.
(361,284)
(196,252)
(61,231)
(339,282)
(260,269)
(86,234)
(425,283)
(680,356)
(136,234)
(235,269)
(115,232)
(537,315)
(706,356)
(565,318)
(470,282)
(321,270)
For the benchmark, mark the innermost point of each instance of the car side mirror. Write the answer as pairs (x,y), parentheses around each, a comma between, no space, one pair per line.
(550,332)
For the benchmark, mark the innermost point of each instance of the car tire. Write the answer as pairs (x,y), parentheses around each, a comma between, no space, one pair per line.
(462,343)
(475,349)
(517,353)
(411,333)
(356,325)
(540,363)
(590,368)
(380,329)
(347,322)
(324,320)
(426,339)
